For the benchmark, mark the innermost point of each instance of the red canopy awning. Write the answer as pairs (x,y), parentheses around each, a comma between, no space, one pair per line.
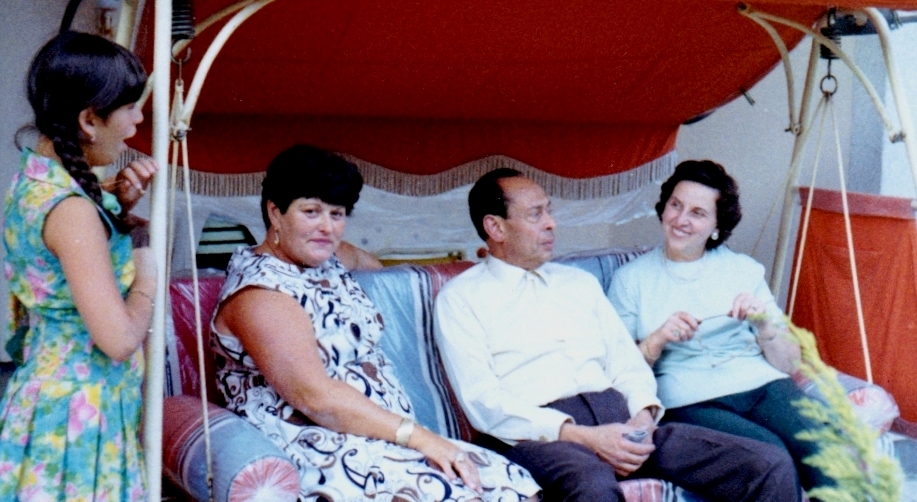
(580,89)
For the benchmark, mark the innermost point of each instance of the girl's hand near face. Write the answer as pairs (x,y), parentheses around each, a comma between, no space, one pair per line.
(130,184)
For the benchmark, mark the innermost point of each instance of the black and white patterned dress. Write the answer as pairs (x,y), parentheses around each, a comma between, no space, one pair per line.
(335,466)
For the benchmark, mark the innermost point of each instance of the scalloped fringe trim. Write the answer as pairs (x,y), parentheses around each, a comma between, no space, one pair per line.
(248,184)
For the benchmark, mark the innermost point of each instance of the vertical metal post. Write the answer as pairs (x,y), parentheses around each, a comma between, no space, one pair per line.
(789,197)
(155,346)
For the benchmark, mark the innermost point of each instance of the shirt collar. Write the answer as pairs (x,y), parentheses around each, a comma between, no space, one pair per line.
(48,170)
(504,272)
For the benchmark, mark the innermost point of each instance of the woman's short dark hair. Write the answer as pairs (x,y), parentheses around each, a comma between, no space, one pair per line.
(304,171)
(486,197)
(74,72)
(713,175)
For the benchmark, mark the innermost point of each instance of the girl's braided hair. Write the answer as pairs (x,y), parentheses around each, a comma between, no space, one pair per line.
(73,72)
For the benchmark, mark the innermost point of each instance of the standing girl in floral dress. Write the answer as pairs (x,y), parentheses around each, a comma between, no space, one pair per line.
(70,414)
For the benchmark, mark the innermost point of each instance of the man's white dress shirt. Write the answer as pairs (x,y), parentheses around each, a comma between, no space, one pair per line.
(514,340)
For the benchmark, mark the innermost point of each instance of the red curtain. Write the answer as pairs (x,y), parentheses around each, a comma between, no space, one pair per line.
(581,89)
(885,244)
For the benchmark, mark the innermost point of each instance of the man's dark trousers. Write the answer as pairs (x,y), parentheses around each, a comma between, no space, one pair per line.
(712,464)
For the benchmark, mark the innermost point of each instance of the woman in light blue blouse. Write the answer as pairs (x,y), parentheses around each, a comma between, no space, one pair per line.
(705,319)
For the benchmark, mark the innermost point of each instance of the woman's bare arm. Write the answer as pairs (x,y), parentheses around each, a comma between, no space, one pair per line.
(354,258)
(75,234)
(778,347)
(278,335)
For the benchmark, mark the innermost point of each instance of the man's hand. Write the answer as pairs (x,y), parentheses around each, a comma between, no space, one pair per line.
(609,443)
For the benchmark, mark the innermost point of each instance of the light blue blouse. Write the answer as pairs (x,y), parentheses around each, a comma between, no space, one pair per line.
(724,357)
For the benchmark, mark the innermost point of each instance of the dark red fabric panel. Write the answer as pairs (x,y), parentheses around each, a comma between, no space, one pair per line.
(886,256)
(845,4)
(534,60)
(580,88)
(237,144)
(859,203)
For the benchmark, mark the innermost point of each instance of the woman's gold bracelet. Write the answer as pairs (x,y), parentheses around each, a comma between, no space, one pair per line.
(646,353)
(145,295)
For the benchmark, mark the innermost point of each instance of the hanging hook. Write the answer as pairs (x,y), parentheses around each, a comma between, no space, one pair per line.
(825,82)
(828,80)
(182,61)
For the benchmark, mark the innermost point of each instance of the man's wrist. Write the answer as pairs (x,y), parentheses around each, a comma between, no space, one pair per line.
(645,417)
(569,431)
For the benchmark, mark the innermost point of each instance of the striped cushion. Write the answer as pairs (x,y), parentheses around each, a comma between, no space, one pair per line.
(246,465)
(249,467)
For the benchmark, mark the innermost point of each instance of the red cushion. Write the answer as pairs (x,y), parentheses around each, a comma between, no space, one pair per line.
(183,317)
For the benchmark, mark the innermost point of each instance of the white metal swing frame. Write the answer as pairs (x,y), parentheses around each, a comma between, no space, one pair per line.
(170,127)
(803,127)
(163,130)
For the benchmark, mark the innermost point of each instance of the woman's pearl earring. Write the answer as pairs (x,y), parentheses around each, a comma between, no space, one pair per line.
(276,237)
(715,235)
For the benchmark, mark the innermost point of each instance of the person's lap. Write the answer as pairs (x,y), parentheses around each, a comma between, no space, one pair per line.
(707,462)
(714,417)
(764,414)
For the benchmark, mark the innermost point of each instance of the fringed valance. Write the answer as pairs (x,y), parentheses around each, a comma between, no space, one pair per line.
(556,186)
(247,184)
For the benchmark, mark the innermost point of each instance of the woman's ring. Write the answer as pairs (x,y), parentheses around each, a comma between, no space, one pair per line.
(459,457)
(677,333)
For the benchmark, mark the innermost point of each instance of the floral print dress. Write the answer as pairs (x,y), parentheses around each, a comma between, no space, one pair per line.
(69,418)
(333,466)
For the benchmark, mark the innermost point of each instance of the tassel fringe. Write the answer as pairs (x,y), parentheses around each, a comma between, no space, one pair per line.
(248,184)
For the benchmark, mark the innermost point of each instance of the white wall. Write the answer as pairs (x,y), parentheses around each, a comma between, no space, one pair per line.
(897,176)
(751,142)
(26,26)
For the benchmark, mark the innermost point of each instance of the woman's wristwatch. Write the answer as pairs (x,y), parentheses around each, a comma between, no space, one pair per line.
(404,431)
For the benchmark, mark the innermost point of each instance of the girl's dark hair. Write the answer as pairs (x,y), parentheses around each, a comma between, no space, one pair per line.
(713,175)
(304,171)
(72,72)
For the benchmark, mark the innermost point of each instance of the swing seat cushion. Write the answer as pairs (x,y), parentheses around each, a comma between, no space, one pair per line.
(249,466)
(404,295)
(871,404)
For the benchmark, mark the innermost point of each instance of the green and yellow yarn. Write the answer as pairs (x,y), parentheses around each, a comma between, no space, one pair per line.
(847,450)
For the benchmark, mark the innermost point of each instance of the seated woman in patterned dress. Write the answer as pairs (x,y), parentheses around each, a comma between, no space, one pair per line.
(295,340)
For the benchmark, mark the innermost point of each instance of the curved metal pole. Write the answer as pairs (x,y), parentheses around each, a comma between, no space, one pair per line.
(155,344)
(827,42)
(787,66)
(204,67)
(786,217)
(182,44)
(900,96)
(207,23)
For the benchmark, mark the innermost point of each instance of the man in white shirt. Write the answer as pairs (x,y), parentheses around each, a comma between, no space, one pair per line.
(543,366)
